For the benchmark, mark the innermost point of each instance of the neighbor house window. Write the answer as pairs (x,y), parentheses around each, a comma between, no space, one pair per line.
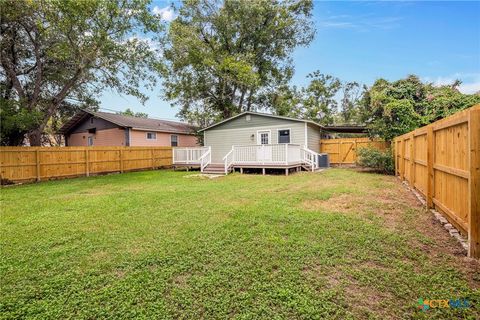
(173,140)
(284,136)
(90,141)
(91,120)
(151,136)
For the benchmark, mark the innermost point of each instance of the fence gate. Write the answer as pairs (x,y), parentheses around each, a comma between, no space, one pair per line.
(344,150)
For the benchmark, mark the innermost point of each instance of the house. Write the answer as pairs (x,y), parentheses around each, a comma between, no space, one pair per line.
(88,128)
(255,140)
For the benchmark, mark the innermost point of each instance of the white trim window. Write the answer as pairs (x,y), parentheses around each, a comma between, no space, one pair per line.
(174,140)
(284,135)
(151,135)
(90,141)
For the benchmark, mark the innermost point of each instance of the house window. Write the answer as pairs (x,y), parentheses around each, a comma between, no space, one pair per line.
(90,141)
(284,136)
(151,136)
(174,141)
(91,119)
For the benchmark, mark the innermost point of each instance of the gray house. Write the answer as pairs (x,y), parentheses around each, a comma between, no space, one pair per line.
(255,140)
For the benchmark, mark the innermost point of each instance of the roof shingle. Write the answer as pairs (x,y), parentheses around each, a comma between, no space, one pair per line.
(134,123)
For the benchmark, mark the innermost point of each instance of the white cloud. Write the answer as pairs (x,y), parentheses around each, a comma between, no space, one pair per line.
(470,81)
(167,13)
(361,23)
(470,88)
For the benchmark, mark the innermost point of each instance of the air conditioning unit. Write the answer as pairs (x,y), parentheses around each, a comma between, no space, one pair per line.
(323,160)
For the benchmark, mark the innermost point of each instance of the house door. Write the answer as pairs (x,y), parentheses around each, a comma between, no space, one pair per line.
(264,150)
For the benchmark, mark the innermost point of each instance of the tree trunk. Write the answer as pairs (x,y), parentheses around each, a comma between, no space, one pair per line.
(35,138)
(240,104)
(249,103)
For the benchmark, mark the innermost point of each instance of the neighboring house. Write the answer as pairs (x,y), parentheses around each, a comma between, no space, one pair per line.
(255,140)
(88,128)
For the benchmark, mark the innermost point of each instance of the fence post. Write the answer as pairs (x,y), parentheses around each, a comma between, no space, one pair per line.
(121,159)
(400,156)
(474,184)
(87,165)
(430,160)
(151,157)
(412,160)
(37,160)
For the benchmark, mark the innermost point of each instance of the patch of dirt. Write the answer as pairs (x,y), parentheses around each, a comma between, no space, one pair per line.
(204,176)
(100,255)
(340,202)
(180,280)
(120,273)
(362,301)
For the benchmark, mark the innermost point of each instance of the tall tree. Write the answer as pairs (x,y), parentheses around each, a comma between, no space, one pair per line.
(319,103)
(224,57)
(351,94)
(55,53)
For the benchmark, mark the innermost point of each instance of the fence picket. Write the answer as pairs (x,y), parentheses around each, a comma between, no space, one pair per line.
(22,164)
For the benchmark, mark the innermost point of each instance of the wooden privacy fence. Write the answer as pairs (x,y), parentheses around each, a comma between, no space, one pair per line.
(344,150)
(442,161)
(19,164)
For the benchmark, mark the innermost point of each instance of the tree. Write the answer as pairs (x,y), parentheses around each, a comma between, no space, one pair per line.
(351,94)
(129,112)
(57,53)
(225,57)
(391,109)
(319,103)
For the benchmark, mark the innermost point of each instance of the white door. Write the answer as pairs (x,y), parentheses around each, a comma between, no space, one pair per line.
(264,150)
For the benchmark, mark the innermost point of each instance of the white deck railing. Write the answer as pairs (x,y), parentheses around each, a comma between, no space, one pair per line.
(261,154)
(189,155)
(228,160)
(269,154)
(310,158)
(206,159)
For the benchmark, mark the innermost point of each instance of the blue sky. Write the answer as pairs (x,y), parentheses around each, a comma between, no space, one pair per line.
(364,41)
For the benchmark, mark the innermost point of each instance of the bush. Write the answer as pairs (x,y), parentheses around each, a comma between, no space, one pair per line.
(380,161)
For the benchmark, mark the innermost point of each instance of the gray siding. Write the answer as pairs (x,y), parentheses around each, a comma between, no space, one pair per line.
(255,121)
(241,132)
(313,137)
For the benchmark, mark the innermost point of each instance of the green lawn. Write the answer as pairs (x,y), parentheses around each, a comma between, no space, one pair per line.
(161,244)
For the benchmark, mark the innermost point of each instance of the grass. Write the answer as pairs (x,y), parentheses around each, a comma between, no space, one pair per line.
(161,244)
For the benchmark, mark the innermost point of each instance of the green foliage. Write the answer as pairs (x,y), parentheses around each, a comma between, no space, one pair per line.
(393,108)
(225,57)
(380,160)
(131,113)
(59,53)
(314,102)
(15,122)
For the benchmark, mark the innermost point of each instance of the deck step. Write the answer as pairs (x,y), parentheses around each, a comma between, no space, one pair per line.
(214,168)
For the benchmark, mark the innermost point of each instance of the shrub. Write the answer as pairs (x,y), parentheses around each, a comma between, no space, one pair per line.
(379,160)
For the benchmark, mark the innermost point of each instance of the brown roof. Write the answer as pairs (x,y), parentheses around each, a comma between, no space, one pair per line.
(131,122)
